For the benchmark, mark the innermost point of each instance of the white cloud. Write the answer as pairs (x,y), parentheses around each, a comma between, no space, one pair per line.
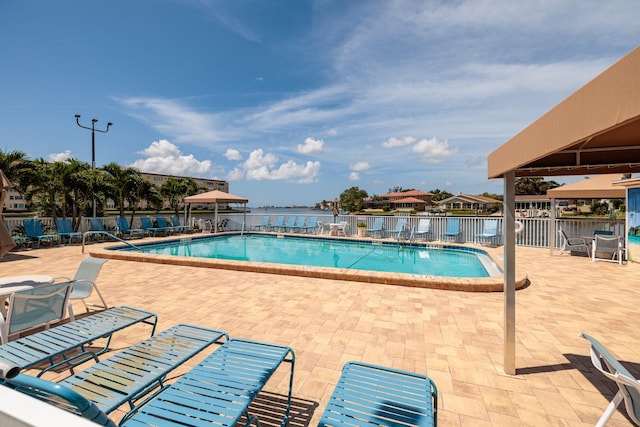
(166,158)
(179,121)
(398,142)
(433,151)
(354,176)
(311,146)
(162,148)
(360,166)
(60,157)
(332,132)
(232,154)
(260,166)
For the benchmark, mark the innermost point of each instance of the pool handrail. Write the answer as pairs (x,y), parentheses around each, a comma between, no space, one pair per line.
(106,233)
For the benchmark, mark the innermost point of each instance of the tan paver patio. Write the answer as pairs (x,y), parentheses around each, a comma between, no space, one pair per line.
(454,337)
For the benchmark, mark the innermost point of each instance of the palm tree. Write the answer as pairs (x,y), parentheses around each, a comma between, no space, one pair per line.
(122,182)
(144,190)
(534,186)
(11,163)
(172,190)
(43,184)
(77,183)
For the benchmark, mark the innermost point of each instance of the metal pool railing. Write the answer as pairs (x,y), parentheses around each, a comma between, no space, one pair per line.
(111,236)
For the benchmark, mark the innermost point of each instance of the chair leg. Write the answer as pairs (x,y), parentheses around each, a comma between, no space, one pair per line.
(104,303)
(610,409)
(72,317)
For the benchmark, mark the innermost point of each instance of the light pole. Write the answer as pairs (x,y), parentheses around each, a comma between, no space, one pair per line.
(93,145)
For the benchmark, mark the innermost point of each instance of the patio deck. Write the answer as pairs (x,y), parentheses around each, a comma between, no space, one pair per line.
(454,337)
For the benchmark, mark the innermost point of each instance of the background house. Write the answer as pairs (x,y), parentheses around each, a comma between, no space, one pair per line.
(407,200)
(469,202)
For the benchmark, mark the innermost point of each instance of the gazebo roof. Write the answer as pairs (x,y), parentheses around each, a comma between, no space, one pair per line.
(597,187)
(215,196)
(595,130)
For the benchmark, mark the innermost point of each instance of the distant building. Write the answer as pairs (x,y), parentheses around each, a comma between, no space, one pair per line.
(527,202)
(159,179)
(407,200)
(14,201)
(211,184)
(468,202)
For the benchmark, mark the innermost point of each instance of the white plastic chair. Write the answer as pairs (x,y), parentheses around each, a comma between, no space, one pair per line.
(34,307)
(84,284)
(606,248)
(628,386)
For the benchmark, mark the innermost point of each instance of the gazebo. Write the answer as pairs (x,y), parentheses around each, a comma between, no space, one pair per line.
(596,130)
(216,197)
(598,187)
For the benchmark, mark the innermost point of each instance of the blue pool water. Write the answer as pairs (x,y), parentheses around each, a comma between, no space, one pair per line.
(360,255)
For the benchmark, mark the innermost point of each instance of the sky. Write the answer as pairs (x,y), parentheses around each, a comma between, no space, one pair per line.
(295,101)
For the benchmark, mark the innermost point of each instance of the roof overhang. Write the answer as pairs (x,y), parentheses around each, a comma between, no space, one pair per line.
(597,187)
(595,130)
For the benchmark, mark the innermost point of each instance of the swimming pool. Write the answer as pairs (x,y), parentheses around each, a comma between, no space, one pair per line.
(175,251)
(321,252)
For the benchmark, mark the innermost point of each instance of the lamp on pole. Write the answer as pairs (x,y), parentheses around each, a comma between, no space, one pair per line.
(93,145)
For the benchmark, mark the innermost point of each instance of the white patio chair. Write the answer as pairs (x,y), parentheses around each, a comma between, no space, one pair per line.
(628,386)
(607,248)
(84,284)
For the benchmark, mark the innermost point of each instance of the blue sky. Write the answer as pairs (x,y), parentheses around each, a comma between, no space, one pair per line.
(294,101)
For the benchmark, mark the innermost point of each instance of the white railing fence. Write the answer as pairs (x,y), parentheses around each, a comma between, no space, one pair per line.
(535,230)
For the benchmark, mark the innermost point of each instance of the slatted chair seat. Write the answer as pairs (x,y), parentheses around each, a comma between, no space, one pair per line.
(132,373)
(218,390)
(66,344)
(370,395)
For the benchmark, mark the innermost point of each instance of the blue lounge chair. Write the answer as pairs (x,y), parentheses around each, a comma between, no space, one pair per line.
(163,225)
(21,242)
(125,231)
(628,385)
(34,307)
(290,225)
(72,344)
(98,230)
(218,391)
(401,226)
(300,223)
(424,229)
(277,225)
(266,220)
(65,230)
(96,224)
(175,221)
(370,395)
(33,231)
(377,228)
(147,225)
(489,232)
(311,226)
(453,231)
